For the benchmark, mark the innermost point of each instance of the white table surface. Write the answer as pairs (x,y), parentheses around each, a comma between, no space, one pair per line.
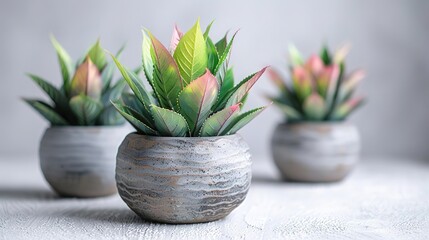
(382,199)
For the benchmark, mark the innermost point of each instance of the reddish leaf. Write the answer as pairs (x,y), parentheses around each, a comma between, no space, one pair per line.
(87,80)
(216,124)
(175,38)
(196,100)
(244,87)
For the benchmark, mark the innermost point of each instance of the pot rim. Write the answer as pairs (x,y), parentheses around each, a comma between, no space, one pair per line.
(164,138)
(78,127)
(316,123)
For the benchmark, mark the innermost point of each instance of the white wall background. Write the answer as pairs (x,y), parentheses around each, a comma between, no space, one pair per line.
(390,40)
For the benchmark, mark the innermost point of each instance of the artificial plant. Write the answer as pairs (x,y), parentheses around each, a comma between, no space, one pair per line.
(320,89)
(193,92)
(86,91)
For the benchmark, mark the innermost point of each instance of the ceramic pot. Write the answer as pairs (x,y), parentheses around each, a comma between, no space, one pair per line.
(315,152)
(80,161)
(183,180)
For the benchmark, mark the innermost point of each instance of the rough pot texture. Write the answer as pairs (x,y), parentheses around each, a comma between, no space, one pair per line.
(315,152)
(80,161)
(183,180)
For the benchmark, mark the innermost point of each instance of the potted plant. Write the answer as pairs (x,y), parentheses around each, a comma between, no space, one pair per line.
(77,151)
(315,144)
(185,163)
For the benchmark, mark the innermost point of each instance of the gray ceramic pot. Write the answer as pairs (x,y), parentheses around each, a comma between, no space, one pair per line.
(315,152)
(183,180)
(80,161)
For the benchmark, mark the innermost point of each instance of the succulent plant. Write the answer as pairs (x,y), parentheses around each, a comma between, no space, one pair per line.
(193,88)
(84,97)
(319,90)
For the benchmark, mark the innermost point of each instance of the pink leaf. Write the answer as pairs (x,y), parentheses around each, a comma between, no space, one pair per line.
(196,100)
(302,82)
(277,80)
(346,108)
(87,80)
(353,80)
(175,38)
(314,65)
(330,77)
(216,124)
(244,88)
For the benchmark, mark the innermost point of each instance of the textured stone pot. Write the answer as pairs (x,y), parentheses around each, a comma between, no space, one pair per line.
(183,180)
(315,152)
(80,161)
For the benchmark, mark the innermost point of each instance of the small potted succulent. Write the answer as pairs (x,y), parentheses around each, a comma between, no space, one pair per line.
(77,152)
(315,144)
(185,163)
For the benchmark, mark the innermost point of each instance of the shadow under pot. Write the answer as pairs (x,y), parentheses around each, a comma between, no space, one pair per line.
(183,180)
(80,161)
(315,152)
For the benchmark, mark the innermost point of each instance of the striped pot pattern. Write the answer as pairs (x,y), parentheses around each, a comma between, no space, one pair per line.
(315,152)
(80,161)
(183,180)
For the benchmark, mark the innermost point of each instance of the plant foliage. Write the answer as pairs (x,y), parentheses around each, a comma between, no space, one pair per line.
(319,89)
(86,91)
(193,92)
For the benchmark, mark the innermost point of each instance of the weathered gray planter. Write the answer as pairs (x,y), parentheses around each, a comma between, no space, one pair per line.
(315,152)
(80,161)
(183,180)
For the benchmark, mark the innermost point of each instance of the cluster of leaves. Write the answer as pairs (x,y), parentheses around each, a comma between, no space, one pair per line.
(193,88)
(320,90)
(84,98)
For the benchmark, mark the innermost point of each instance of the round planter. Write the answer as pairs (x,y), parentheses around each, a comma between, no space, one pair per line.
(315,152)
(183,180)
(80,161)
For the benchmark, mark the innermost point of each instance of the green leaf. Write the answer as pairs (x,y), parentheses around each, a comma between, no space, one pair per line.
(86,109)
(345,109)
(197,99)
(147,57)
(207,31)
(326,56)
(213,57)
(136,108)
(110,116)
(241,90)
(224,55)
(243,119)
(107,75)
(216,124)
(114,92)
(169,123)
(350,84)
(191,54)
(121,49)
(61,102)
(295,56)
(221,44)
(135,84)
(97,55)
(66,63)
(334,91)
(227,83)
(291,113)
(167,82)
(315,107)
(47,112)
(87,81)
(133,120)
